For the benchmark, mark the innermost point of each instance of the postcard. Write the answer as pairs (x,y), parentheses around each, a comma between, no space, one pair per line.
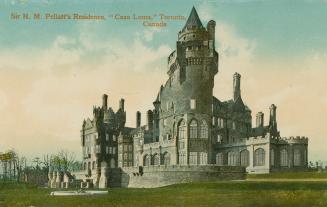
(163,103)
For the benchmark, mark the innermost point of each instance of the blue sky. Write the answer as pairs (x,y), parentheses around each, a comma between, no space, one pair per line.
(281,28)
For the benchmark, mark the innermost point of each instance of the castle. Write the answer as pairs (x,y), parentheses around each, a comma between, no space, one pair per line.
(190,135)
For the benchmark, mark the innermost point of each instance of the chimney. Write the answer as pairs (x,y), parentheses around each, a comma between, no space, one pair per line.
(237,86)
(260,120)
(138,119)
(150,119)
(104,101)
(272,119)
(121,104)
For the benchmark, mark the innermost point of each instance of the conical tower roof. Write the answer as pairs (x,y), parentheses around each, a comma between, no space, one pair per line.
(193,21)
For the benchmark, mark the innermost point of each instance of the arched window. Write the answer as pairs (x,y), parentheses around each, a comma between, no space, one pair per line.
(244,158)
(181,130)
(155,159)
(112,163)
(166,158)
(146,160)
(272,157)
(181,135)
(297,157)
(232,158)
(220,159)
(193,129)
(204,130)
(283,158)
(259,157)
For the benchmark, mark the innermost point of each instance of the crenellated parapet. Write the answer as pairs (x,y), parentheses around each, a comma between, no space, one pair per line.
(296,139)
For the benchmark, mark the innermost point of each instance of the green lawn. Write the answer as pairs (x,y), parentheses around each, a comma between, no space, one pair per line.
(233,193)
(289,175)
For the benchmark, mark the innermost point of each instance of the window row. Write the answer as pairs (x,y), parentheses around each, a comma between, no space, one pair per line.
(198,158)
(155,159)
(242,158)
(195,131)
(299,158)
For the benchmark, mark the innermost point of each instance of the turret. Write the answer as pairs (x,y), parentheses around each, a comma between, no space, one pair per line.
(211,31)
(259,120)
(236,86)
(138,119)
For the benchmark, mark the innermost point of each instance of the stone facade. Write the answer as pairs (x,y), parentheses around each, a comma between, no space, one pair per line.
(188,128)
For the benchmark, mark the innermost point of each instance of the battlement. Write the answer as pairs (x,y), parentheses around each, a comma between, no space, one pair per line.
(296,139)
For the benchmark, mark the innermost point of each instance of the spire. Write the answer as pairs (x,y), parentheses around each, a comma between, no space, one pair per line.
(193,21)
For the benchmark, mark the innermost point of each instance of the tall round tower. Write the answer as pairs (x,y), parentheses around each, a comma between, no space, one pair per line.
(187,94)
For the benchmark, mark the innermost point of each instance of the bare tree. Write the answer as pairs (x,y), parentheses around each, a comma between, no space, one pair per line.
(63,161)
(67,159)
(46,162)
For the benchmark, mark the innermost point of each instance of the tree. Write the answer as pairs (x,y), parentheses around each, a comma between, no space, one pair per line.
(63,161)
(36,160)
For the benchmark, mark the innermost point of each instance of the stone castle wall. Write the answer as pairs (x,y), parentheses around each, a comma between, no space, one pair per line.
(157,176)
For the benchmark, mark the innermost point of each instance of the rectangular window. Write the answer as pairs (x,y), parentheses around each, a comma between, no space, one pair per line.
(214,121)
(107,150)
(165,122)
(130,156)
(114,138)
(219,159)
(125,156)
(110,150)
(130,164)
(107,137)
(97,149)
(219,138)
(203,158)
(193,158)
(130,147)
(125,147)
(193,104)
(181,145)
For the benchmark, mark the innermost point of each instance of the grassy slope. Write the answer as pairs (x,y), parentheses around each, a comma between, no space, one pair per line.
(289,175)
(242,193)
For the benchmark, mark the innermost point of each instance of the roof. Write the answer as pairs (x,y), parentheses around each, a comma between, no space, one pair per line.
(127,130)
(193,21)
